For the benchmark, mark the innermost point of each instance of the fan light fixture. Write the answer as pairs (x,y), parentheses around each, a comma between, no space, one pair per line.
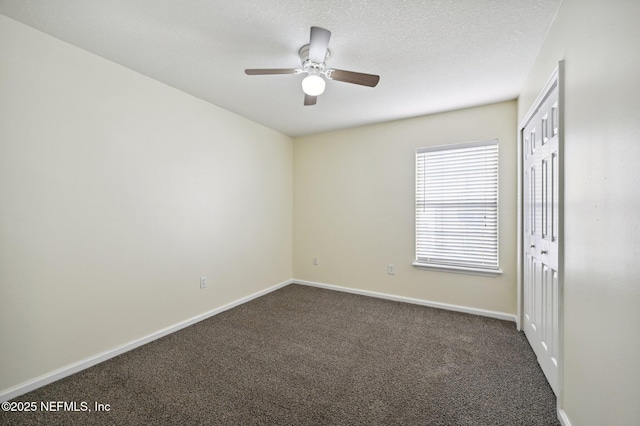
(313,84)
(313,57)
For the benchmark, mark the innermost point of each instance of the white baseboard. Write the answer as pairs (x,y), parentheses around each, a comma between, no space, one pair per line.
(563,418)
(439,305)
(21,389)
(75,367)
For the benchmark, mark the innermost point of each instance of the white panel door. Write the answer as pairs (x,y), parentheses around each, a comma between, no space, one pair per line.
(541,162)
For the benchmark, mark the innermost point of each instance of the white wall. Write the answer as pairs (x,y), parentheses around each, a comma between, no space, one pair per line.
(354,207)
(599,42)
(116,194)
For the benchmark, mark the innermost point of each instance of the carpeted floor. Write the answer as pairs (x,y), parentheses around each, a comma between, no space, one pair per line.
(308,356)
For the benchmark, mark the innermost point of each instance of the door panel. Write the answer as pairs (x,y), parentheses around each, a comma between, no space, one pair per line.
(541,234)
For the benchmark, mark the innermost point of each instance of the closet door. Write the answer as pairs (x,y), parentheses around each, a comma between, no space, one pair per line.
(541,231)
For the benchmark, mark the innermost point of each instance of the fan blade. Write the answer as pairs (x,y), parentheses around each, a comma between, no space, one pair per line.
(310,100)
(270,71)
(318,44)
(353,77)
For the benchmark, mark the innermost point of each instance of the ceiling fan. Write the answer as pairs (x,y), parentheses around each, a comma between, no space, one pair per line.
(314,56)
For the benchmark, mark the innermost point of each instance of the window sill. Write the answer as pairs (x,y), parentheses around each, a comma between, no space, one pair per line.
(459,269)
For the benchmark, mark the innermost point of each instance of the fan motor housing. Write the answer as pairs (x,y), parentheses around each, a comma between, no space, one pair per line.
(307,63)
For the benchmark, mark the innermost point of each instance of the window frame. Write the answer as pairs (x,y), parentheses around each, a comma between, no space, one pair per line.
(422,263)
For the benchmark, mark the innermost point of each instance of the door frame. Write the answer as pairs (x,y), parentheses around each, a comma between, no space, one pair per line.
(557,78)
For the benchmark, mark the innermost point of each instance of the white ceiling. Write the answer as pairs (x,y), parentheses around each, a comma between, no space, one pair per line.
(431,55)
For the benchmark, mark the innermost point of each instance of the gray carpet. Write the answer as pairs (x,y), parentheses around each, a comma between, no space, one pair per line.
(309,356)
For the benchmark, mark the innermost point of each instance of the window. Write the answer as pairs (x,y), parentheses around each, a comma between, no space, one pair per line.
(457,207)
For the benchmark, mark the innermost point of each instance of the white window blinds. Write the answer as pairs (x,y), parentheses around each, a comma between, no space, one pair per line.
(457,206)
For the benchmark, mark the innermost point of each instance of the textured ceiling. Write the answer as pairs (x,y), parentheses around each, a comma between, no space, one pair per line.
(431,55)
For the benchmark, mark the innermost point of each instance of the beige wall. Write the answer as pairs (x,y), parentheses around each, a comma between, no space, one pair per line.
(354,207)
(599,42)
(116,194)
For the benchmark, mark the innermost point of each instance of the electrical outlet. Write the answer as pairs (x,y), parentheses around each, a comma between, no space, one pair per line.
(391,269)
(315,260)
(203,282)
